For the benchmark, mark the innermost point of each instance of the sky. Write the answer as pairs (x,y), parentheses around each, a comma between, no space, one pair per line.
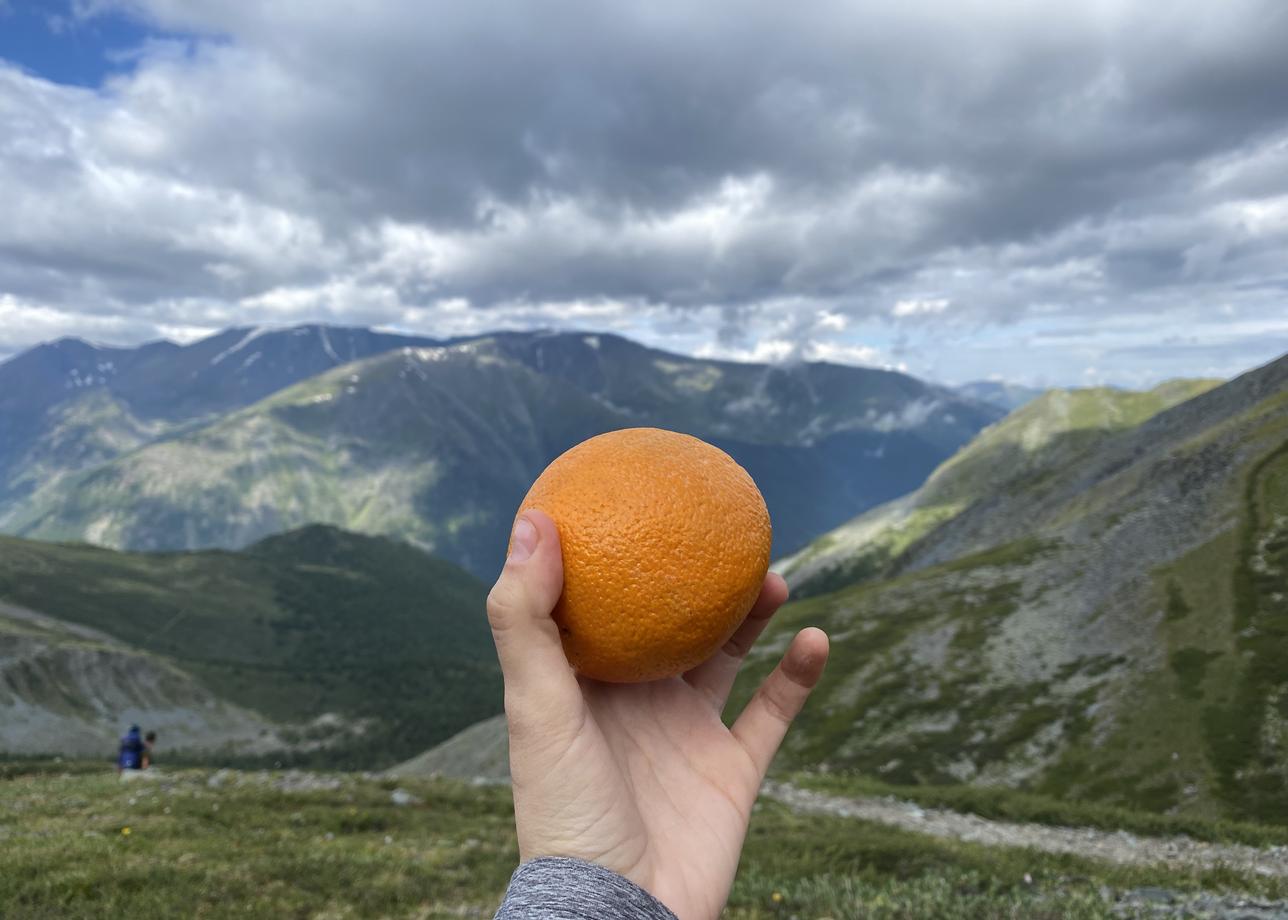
(1050,193)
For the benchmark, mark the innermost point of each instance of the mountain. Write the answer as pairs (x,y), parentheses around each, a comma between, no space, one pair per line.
(316,635)
(480,752)
(1006,396)
(1055,432)
(438,445)
(70,690)
(163,380)
(798,404)
(1089,601)
(69,405)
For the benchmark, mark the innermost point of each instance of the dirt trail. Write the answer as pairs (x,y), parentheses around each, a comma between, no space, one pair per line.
(1108,846)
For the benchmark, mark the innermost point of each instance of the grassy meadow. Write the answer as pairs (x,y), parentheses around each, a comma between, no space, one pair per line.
(75,842)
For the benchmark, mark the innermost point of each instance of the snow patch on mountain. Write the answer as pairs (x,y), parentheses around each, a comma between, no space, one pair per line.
(250,336)
(326,345)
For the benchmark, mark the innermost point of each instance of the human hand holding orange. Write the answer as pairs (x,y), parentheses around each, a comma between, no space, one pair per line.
(644,779)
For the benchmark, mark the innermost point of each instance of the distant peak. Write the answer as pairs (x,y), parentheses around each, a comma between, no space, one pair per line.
(73,341)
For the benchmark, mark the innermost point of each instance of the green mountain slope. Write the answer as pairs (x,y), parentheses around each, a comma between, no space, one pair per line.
(1090,610)
(438,445)
(480,752)
(392,645)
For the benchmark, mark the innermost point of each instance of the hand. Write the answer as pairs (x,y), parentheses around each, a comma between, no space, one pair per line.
(644,779)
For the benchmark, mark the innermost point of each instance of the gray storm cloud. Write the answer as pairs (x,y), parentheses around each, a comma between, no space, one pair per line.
(582,162)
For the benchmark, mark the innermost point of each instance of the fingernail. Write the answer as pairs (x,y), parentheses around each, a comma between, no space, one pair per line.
(523,541)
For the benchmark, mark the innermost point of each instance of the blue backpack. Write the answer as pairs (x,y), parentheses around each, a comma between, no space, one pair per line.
(131,756)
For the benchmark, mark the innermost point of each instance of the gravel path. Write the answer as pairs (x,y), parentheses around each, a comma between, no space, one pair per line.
(1109,846)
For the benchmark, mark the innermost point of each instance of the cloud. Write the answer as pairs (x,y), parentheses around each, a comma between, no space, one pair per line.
(872,179)
(923,307)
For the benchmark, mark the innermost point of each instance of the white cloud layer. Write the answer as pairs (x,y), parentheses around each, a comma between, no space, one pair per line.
(962,189)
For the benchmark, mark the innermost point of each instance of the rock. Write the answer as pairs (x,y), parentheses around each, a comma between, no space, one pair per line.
(300,781)
(138,776)
(1153,895)
(402,797)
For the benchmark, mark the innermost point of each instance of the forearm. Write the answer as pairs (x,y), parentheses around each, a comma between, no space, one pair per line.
(556,888)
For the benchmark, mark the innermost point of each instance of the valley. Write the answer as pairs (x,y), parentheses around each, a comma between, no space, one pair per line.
(315,646)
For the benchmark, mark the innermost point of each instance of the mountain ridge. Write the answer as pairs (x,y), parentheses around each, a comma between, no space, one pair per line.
(1060,427)
(1008,396)
(437,444)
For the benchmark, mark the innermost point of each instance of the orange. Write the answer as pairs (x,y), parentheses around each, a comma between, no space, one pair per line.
(665,547)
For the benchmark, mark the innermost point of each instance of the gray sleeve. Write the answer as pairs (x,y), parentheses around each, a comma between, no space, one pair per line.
(558,888)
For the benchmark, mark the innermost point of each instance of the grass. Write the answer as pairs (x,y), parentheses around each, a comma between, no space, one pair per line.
(1252,776)
(249,848)
(1177,607)
(1189,665)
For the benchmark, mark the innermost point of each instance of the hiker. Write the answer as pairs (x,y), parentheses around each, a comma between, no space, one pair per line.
(631,801)
(132,753)
(149,744)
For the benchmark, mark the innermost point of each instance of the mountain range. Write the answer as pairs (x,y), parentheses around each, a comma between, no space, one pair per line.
(252,432)
(1086,597)
(317,644)
(69,405)
(1089,600)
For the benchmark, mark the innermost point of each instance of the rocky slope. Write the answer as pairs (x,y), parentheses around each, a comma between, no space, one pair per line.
(70,690)
(438,445)
(1053,433)
(1088,610)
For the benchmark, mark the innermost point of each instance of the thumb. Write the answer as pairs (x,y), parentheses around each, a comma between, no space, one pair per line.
(537,673)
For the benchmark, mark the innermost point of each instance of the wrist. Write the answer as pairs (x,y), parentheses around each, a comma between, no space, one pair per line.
(577,889)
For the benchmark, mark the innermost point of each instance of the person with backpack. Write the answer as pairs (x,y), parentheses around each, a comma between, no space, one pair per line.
(132,751)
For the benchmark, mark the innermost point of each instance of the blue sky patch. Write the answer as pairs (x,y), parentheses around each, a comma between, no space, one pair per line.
(46,39)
